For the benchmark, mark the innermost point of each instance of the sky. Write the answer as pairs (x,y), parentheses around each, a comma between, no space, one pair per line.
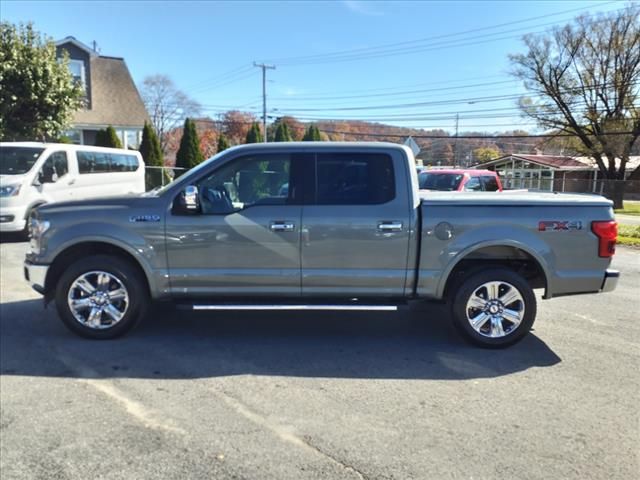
(415,64)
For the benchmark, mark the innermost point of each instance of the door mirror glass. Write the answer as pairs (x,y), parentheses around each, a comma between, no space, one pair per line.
(191,198)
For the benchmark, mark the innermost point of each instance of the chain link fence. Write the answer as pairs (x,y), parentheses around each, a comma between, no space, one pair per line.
(628,189)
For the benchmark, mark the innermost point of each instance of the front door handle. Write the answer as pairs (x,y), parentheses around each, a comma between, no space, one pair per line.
(390,226)
(282,227)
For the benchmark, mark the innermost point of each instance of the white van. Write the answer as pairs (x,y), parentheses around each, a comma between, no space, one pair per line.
(32,174)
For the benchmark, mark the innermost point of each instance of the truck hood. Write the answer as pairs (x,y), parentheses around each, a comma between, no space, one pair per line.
(93,207)
(519,198)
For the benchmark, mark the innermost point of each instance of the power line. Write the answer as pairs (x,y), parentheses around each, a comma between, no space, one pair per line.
(385,47)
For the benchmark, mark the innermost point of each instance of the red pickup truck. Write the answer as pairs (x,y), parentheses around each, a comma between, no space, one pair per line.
(457,180)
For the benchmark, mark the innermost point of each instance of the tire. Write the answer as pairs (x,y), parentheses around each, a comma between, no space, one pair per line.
(109,295)
(493,308)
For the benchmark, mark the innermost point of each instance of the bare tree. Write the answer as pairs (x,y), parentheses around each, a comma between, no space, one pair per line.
(584,80)
(167,106)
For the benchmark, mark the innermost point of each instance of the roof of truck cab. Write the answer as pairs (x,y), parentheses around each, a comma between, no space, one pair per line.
(320,145)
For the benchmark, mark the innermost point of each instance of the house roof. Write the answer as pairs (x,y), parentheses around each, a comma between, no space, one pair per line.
(115,100)
(78,44)
(553,161)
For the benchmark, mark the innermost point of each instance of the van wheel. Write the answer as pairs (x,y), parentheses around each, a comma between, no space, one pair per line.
(494,308)
(101,297)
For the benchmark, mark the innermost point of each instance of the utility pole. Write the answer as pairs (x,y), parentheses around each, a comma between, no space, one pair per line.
(264,68)
(455,143)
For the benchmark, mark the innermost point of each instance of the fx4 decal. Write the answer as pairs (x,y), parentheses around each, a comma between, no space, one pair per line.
(144,218)
(559,225)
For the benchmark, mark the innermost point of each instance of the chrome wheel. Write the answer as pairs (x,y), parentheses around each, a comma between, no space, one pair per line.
(98,299)
(495,309)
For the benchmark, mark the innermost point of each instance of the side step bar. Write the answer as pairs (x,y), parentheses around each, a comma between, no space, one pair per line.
(370,308)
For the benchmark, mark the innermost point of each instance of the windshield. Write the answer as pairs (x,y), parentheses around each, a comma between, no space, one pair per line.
(18,160)
(439,181)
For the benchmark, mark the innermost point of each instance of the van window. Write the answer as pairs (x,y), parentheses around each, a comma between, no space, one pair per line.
(100,162)
(55,167)
(490,183)
(354,179)
(18,160)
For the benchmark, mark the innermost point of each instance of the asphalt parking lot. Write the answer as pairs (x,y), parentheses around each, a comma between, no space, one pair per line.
(298,396)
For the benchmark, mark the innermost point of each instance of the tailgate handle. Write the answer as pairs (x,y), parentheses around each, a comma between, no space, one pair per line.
(390,226)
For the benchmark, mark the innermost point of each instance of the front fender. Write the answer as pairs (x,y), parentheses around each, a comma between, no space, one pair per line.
(134,243)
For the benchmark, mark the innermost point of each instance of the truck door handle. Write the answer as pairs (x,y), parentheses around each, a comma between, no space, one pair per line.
(71,182)
(390,226)
(282,227)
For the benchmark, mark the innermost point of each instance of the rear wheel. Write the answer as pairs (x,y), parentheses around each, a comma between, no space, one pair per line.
(494,308)
(101,297)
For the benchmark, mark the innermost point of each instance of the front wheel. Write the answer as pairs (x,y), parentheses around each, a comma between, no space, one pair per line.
(494,308)
(101,297)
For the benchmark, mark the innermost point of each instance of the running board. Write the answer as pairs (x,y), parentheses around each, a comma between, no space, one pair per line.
(370,308)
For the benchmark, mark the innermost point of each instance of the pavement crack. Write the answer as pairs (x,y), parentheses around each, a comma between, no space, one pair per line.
(285,433)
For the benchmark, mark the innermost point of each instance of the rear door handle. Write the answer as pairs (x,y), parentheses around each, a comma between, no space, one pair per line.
(390,226)
(282,227)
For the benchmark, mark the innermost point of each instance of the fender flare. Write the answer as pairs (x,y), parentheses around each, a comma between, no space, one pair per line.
(446,274)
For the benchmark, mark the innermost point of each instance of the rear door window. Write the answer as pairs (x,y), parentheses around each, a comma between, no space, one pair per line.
(490,183)
(473,185)
(354,179)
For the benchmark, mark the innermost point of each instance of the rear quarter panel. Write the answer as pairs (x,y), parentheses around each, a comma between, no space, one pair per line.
(569,258)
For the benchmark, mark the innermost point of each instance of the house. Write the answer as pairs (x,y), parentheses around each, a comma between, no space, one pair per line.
(551,172)
(111,96)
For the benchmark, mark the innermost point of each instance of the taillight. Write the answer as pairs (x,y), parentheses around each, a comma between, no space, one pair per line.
(607,233)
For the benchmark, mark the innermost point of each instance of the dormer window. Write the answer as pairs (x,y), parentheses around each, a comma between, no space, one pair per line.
(76,67)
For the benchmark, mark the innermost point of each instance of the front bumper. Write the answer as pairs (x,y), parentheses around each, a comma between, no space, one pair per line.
(36,275)
(610,280)
(12,219)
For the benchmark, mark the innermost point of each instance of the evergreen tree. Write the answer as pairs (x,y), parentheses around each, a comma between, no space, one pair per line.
(108,138)
(254,135)
(312,134)
(111,138)
(152,155)
(189,154)
(282,133)
(223,143)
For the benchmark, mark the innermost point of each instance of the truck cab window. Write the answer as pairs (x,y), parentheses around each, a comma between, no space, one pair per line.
(247,181)
(354,179)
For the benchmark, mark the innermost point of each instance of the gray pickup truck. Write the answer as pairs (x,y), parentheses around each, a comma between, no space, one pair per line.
(319,226)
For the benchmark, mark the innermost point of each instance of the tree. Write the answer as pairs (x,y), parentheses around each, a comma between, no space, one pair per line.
(108,138)
(37,92)
(189,154)
(236,125)
(223,143)
(486,154)
(167,105)
(312,134)
(584,80)
(254,135)
(152,155)
(282,133)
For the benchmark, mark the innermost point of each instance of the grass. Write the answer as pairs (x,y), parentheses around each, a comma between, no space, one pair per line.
(630,208)
(629,235)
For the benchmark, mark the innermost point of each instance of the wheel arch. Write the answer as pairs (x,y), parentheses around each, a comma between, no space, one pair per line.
(87,248)
(510,254)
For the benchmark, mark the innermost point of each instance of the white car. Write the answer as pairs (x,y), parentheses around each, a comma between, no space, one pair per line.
(32,174)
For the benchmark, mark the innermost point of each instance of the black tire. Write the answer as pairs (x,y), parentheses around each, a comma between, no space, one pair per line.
(475,283)
(137,296)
